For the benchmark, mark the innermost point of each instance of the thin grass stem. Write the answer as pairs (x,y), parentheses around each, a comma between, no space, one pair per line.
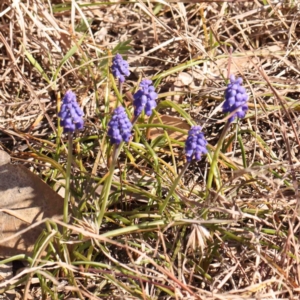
(173,187)
(120,88)
(214,161)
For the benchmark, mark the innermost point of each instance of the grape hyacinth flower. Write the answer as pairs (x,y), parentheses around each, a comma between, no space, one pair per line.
(70,113)
(195,145)
(119,126)
(120,68)
(235,99)
(236,105)
(119,130)
(144,98)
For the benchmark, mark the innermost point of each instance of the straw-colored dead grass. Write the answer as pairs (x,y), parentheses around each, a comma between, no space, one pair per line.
(258,250)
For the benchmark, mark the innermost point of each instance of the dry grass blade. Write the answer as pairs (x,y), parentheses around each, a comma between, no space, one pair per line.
(241,242)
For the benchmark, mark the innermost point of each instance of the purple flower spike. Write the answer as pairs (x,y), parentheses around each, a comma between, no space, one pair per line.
(195,145)
(119,127)
(70,113)
(120,68)
(144,98)
(235,99)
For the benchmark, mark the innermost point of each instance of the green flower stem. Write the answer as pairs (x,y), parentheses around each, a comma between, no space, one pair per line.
(106,189)
(118,90)
(214,161)
(173,187)
(68,179)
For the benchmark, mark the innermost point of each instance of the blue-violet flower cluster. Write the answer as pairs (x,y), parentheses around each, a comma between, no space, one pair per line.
(144,98)
(119,126)
(70,113)
(120,68)
(195,145)
(235,99)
